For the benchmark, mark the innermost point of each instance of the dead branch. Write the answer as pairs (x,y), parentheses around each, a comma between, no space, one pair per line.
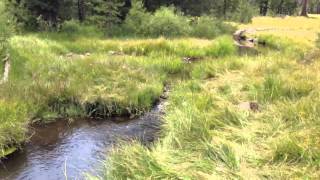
(6,71)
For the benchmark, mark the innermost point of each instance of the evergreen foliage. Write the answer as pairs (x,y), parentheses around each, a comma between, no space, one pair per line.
(108,14)
(6,30)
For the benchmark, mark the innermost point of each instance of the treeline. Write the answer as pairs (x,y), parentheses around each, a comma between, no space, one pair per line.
(6,30)
(31,13)
(148,18)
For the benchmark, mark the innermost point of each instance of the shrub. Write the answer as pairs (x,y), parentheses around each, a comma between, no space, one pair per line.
(70,27)
(137,19)
(208,27)
(169,22)
(74,28)
(44,25)
(165,22)
(205,27)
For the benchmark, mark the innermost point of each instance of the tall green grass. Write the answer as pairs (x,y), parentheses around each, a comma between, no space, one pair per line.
(61,76)
(208,134)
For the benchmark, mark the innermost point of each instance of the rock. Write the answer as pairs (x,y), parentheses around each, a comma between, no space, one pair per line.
(239,35)
(115,53)
(69,55)
(191,59)
(164,96)
(245,42)
(254,106)
(249,106)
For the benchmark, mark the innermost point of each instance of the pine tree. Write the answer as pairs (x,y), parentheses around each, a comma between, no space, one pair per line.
(105,13)
(81,10)
(304,11)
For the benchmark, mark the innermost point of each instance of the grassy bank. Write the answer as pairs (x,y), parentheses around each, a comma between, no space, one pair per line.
(59,76)
(237,118)
(229,116)
(299,29)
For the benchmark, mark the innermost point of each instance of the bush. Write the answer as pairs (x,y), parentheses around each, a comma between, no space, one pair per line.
(208,27)
(169,22)
(165,22)
(44,25)
(137,19)
(74,28)
(70,27)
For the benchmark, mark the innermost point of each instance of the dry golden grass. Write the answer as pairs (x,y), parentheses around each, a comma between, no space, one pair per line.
(300,29)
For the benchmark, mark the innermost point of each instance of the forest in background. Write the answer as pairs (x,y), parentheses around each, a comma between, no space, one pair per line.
(110,14)
(230,115)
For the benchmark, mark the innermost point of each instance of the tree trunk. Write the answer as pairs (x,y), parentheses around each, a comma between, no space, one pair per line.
(225,5)
(280,8)
(264,6)
(304,11)
(81,13)
(6,71)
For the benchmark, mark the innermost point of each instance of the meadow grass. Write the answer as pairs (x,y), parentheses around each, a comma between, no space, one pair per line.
(79,76)
(300,29)
(208,134)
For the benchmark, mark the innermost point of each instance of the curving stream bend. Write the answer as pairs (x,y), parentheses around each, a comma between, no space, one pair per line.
(61,149)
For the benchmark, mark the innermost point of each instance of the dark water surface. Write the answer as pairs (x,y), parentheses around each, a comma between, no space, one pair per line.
(62,148)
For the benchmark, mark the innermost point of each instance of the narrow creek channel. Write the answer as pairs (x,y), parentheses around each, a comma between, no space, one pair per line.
(62,148)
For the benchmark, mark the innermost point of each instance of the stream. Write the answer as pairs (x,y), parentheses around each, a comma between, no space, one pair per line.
(63,149)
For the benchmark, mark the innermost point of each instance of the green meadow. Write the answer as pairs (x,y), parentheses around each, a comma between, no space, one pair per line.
(229,115)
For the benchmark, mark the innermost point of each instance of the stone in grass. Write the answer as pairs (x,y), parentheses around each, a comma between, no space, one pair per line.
(191,59)
(115,53)
(249,106)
